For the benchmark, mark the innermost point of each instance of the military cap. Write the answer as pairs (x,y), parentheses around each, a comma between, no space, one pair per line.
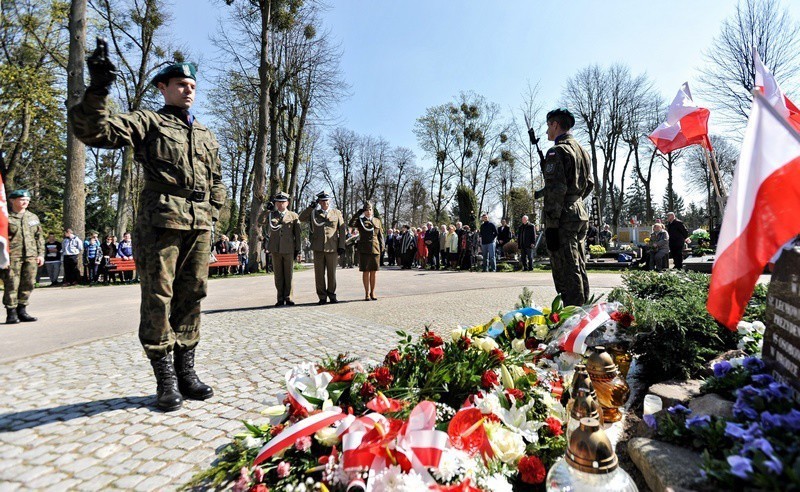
(562,112)
(182,70)
(20,194)
(323,196)
(281,197)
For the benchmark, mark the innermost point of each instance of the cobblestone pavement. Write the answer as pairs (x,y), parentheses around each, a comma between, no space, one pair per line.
(81,418)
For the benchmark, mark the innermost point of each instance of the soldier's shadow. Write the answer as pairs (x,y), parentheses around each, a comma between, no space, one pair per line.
(14,421)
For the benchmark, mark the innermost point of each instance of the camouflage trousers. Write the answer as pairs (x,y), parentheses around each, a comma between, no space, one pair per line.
(173,271)
(18,281)
(569,264)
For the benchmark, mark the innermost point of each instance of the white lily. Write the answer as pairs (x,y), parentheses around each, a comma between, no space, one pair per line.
(516,419)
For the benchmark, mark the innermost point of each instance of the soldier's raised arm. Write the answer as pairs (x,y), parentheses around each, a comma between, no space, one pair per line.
(91,119)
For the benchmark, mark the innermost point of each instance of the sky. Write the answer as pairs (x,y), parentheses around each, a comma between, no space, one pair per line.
(402,57)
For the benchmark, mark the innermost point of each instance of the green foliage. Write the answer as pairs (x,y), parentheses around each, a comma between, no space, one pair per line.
(520,202)
(596,250)
(679,336)
(467,206)
(525,299)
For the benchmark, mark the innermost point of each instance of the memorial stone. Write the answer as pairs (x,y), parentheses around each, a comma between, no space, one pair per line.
(781,351)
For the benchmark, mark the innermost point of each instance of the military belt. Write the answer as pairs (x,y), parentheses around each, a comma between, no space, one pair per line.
(573,198)
(191,195)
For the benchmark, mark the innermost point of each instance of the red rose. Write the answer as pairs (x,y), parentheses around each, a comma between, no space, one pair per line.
(531,343)
(516,393)
(275,430)
(393,357)
(497,355)
(367,390)
(519,329)
(383,377)
(432,339)
(531,469)
(554,425)
(464,343)
(627,320)
(435,354)
(554,318)
(259,488)
(489,379)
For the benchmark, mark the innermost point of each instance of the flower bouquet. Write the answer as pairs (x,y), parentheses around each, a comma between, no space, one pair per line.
(479,411)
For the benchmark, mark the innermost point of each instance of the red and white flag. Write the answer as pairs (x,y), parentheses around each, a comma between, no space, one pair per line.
(768,86)
(575,339)
(687,124)
(763,210)
(5,259)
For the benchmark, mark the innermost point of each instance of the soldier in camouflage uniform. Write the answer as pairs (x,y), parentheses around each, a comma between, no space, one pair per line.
(180,200)
(568,181)
(282,227)
(26,254)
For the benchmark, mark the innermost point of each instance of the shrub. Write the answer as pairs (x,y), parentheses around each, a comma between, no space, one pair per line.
(596,250)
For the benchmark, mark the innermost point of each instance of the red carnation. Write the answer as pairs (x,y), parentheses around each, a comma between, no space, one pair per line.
(383,377)
(432,339)
(531,343)
(435,354)
(531,469)
(464,343)
(393,357)
(367,390)
(554,317)
(489,379)
(516,393)
(497,355)
(519,329)
(554,425)
(259,488)
(275,430)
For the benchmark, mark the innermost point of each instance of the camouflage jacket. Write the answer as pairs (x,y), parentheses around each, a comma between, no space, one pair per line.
(567,181)
(183,181)
(25,235)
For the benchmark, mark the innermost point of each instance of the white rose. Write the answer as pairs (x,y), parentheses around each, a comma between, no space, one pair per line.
(487,344)
(540,331)
(518,345)
(759,327)
(457,334)
(327,436)
(744,328)
(508,446)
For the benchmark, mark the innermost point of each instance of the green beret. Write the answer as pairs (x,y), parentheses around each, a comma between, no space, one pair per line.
(180,70)
(20,194)
(562,112)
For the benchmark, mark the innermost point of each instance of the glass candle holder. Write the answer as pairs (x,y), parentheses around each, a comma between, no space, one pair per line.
(652,404)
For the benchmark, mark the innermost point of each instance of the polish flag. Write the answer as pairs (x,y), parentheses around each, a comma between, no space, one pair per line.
(768,86)
(763,210)
(5,259)
(687,124)
(575,340)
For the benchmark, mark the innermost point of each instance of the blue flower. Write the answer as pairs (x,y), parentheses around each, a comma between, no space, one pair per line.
(778,391)
(762,379)
(792,419)
(679,410)
(700,421)
(771,421)
(650,420)
(722,368)
(740,466)
(753,364)
(774,465)
(734,430)
(743,411)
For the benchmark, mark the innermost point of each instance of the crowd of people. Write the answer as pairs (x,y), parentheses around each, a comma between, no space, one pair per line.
(65,257)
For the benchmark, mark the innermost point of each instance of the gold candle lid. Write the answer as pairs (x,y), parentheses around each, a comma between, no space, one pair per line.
(584,406)
(581,379)
(600,362)
(590,450)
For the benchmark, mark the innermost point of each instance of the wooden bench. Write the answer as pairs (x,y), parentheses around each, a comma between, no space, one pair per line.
(225,260)
(120,265)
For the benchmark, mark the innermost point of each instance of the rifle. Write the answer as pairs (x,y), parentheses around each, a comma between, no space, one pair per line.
(535,142)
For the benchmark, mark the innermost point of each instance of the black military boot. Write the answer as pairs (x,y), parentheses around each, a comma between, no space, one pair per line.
(23,314)
(11,316)
(167,394)
(188,382)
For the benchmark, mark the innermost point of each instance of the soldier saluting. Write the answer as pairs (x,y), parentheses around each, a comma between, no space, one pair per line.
(567,183)
(26,254)
(180,200)
(327,241)
(283,229)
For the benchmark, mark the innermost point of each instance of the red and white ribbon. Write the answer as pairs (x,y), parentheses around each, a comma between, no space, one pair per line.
(575,340)
(302,428)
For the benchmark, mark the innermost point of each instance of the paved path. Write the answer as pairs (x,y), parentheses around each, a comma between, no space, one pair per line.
(76,408)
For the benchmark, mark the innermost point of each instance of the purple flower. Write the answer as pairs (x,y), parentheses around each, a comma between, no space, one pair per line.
(792,419)
(740,466)
(650,420)
(778,391)
(753,364)
(771,421)
(700,421)
(743,411)
(679,410)
(722,368)
(762,379)
(774,465)
(734,430)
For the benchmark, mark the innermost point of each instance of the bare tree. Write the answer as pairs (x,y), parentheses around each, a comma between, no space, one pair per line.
(529,113)
(75,188)
(696,171)
(340,176)
(436,136)
(728,74)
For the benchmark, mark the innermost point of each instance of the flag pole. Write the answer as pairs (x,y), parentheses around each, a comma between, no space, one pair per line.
(713,172)
(782,119)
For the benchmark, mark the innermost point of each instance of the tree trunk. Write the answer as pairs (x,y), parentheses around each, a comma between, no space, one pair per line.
(275,179)
(260,163)
(124,191)
(74,189)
